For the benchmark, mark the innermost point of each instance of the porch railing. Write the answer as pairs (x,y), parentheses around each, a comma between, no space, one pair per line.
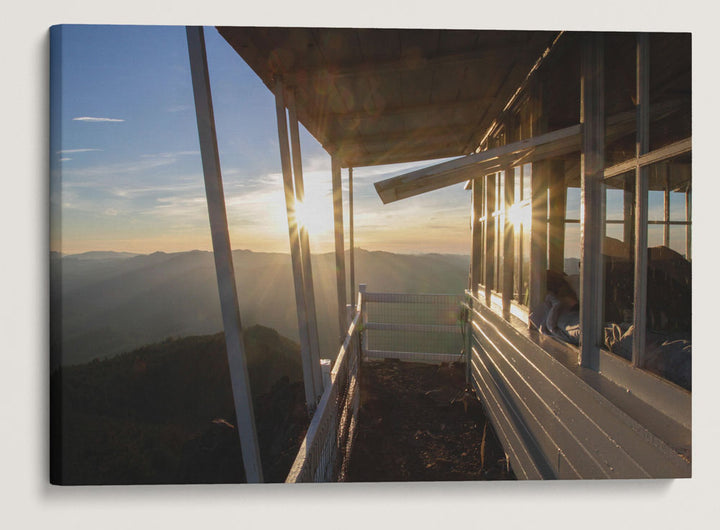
(413,327)
(324,455)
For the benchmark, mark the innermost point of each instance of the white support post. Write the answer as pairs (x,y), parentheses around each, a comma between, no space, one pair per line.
(294,235)
(351,207)
(339,246)
(306,257)
(476,227)
(508,244)
(592,198)
(641,205)
(538,208)
(222,252)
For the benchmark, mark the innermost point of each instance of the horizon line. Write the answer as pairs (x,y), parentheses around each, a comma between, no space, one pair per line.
(70,254)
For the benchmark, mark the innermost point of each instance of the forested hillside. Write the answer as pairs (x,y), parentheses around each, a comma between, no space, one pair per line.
(164,413)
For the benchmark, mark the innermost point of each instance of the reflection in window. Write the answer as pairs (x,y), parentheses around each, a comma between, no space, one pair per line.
(668,350)
(618,254)
(572,235)
(499,229)
(668,345)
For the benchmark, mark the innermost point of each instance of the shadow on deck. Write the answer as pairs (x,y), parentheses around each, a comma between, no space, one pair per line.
(413,426)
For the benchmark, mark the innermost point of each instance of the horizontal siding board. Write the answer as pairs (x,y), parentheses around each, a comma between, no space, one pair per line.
(552,442)
(607,435)
(560,424)
(525,459)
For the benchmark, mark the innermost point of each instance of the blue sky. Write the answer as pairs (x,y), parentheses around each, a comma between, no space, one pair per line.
(128,160)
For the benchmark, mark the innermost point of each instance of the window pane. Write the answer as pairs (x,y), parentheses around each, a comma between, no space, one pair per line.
(655,235)
(500,197)
(677,206)
(619,261)
(499,238)
(614,231)
(678,240)
(525,260)
(527,177)
(656,205)
(668,347)
(614,204)
(572,249)
(572,208)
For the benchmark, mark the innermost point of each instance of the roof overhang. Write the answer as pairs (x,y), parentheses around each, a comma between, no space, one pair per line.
(382,96)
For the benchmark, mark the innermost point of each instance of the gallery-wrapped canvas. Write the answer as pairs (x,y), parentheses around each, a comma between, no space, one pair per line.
(369,255)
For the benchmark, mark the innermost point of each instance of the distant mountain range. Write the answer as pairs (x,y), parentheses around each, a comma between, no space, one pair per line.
(105,303)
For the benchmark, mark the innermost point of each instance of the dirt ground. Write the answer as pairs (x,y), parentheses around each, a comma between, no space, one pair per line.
(414,426)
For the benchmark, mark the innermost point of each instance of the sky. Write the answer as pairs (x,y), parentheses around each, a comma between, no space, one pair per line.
(126,164)
(127,171)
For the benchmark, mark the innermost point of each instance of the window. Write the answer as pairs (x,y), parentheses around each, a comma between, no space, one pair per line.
(499,216)
(618,257)
(668,348)
(571,244)
(522,220)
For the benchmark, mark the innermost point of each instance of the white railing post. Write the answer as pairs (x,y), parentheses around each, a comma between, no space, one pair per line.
(349,316)
(363,310)
(325,365)
(468,338)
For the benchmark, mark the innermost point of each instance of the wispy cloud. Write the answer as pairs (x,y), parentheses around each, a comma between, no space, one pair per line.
(101,174)
(179,108)
(128,192)
(94,119)
(173,154)
(65,159)
(69,151)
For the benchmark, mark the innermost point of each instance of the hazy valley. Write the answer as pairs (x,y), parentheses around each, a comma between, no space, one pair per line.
(107,303)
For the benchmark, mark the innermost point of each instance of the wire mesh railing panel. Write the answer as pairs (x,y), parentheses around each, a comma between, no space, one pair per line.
(414,323)
(325,453)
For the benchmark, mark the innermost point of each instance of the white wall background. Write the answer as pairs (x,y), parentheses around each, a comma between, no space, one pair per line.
(28,501)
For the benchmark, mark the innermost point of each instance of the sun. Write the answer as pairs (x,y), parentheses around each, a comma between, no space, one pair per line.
(315,214)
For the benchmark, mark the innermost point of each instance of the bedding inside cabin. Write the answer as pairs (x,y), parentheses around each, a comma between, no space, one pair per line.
(668,350)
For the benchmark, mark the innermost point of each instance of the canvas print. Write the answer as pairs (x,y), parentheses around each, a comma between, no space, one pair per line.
(369,255)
